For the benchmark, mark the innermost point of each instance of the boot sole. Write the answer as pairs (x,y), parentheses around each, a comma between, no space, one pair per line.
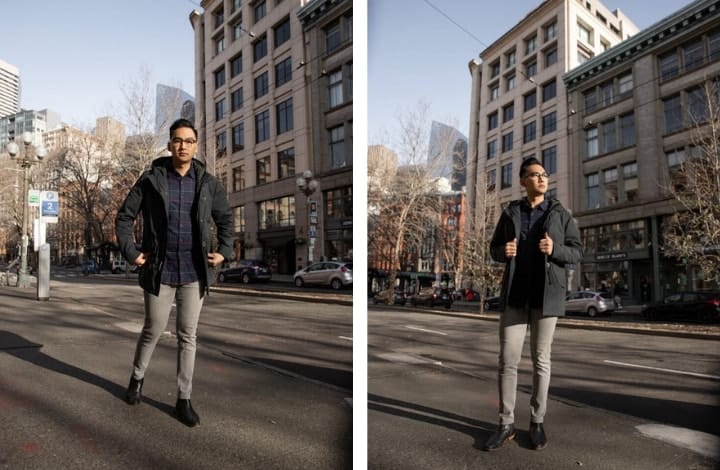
(509,438)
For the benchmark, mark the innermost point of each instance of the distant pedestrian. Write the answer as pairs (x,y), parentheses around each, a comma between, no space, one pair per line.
(178,199)
(536,238)
(645,290)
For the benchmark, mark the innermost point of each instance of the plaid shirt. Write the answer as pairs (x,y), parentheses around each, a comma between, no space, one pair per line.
(179,268)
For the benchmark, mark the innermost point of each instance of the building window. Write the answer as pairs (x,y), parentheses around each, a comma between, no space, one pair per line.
(238,178)
(529,132)
(491,178)
(591,143)
(236,66)
(221,144)
(349,27)
(530,45)
(338,203)
(610,178)
(508,112)
(337,147)
(494,91)
(260,48)
(549,90)
(693,55)
(531,69)
(549,160)
(237,30)
(238,137)
(236,100)
(510,59)
(507,142)
(506,176)
(262,86)
(593,191)
(582,56)
(259,10)
(286,163)
(585,34)
(590,99)
(669,65)
(235,5)
(335,89)
(220,108)
(332,36)
(609,142)
(698,112)
(627,130)
(262,127)
(510,82)
(284,113)
(262,170)
(282,32)
(672,114)
(607,90)
(714,45)
(219,44)
(551,31)
(529,101)
(549,123)
(277,213)
(283,72)
(239,219)
(491,149)
(219,77)
(495,69)
(349,69)
(492,120)
(630,182)
(551,57)
(625,85)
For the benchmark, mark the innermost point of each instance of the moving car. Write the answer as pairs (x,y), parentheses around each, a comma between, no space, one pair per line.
(590,302)
(431,296)
(246,271)
(702,306)
(336,274)
(399,297)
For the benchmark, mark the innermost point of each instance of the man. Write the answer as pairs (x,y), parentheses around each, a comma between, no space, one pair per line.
(535,238)
(178,199)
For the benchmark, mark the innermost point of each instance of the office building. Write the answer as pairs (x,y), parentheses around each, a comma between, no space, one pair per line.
(9,89)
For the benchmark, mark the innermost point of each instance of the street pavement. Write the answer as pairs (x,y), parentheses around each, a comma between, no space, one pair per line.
(64,367)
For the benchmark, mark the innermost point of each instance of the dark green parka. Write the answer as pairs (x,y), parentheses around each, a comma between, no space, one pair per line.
(567,248)
(150,195)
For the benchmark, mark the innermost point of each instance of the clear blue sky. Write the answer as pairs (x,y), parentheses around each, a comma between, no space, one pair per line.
(416,54)
(74,55)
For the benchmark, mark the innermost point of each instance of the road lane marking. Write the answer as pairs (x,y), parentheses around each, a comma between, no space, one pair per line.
(660,369)
(697,441)
(345,337)
(406,358)
(409,327)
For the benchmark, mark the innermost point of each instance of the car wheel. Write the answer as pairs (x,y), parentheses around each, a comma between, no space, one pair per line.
(336,284)
(592,311)
(221,277)
(299,282)
(246,278)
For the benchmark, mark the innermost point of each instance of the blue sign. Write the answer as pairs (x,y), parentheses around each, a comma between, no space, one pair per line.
(49,209)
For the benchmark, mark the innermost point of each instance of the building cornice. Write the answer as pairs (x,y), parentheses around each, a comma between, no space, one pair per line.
(687,19)
(315,10)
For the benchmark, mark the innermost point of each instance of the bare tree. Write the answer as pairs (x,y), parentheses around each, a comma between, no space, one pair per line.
(693,233)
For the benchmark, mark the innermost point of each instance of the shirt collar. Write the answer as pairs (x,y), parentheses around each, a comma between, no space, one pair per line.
(543,206)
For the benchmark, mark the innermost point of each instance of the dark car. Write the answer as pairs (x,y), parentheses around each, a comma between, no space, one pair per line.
(492,303)
(246,271)
(702,306)
(90,267)
(432,296)
(399,297)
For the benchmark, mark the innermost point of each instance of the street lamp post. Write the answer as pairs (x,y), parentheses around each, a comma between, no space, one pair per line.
(307,185)
(29,158)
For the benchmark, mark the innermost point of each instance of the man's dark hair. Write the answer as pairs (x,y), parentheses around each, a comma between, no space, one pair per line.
(526,163)
(182,123)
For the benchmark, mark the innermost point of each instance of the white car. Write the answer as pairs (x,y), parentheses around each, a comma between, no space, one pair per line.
(336,274)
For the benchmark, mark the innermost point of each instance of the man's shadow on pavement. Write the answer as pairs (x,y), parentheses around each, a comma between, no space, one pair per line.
(480,431)
(21,348)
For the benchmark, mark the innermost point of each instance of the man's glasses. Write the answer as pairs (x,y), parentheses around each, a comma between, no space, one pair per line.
(536,175)
(177,142)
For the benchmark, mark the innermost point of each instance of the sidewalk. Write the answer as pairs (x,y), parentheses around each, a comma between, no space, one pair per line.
(64,372)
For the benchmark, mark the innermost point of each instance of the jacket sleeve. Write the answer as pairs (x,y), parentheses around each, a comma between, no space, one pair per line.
(125,221)
(571,250)
(223,218)
(504,232)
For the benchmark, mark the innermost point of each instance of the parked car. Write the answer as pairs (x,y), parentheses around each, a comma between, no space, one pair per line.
(590,302)
(702,306)
(90,267)
(492,303)
(336,274)
(246,271)
(399,297)
(431,296)
(118,266)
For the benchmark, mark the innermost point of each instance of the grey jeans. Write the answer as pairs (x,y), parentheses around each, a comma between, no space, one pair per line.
(513,327)
(188,300)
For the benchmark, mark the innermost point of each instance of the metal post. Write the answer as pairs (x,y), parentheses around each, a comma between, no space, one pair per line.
(23,279)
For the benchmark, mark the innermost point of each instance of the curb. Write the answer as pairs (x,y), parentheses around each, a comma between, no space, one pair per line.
(322,299)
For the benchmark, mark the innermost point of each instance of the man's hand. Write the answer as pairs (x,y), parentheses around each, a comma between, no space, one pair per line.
(142,259)
(215,259)
(546,244)
(511,248)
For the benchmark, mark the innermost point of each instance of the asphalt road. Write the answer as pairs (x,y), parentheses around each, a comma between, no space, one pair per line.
(618,400)
(272,384)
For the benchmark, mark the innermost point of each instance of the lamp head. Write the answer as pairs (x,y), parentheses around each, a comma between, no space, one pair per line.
(307,174)
(40,152)
(300,182)
(27,138)
(13,149)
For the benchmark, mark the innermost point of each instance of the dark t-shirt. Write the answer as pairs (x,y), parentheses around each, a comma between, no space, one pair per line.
(529,279)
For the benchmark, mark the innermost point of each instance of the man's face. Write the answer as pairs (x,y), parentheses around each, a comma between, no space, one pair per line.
(535,180)
(183,145)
